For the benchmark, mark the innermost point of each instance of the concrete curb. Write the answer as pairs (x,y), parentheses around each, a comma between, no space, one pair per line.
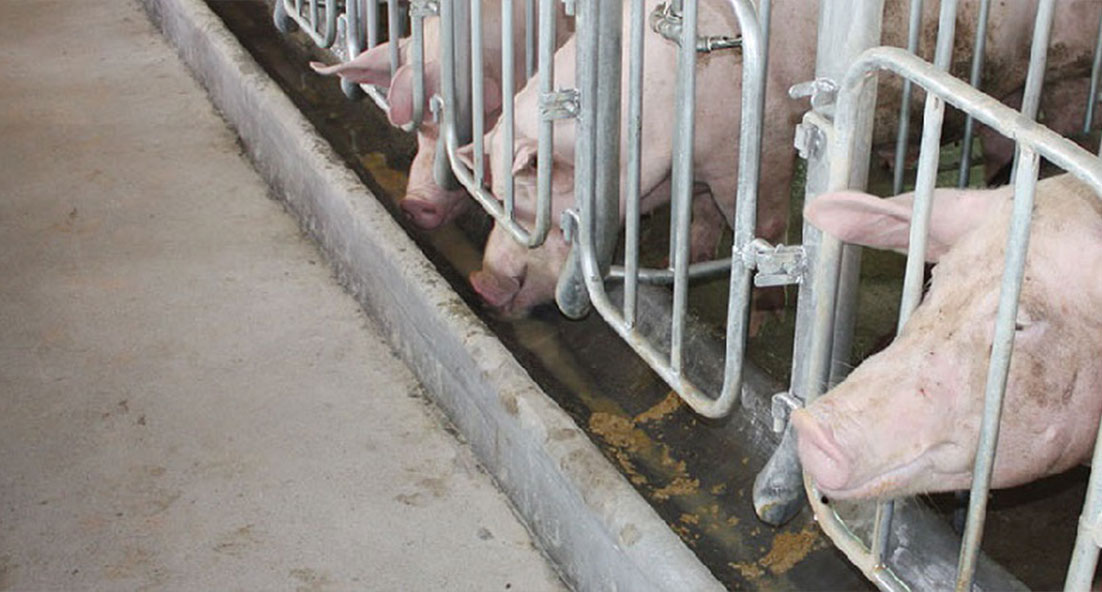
(599,531)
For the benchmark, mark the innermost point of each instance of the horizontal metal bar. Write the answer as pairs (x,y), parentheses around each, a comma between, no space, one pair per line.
(664,277)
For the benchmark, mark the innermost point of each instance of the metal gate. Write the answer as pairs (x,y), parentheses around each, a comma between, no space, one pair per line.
(823,321)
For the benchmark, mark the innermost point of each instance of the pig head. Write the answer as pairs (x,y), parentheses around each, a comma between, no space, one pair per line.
(907,420)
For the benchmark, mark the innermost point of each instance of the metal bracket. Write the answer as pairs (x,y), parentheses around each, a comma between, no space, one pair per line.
(809,140)
(666,21)
(823,92)
(779,265)
(423,8)
(569,224)
(783,406)
(564,104)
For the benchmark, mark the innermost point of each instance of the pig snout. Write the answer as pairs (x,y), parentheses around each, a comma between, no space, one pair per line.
(433,211)
(820,453)
(496,289)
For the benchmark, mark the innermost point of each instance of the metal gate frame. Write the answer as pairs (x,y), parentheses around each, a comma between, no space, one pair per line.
(459,108)
(594,223)
(844,149)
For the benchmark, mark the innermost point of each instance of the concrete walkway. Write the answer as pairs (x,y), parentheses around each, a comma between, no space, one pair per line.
(188,401)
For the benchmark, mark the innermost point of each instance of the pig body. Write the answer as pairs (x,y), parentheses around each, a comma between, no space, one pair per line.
(426,203)
(514,278)
(907,419)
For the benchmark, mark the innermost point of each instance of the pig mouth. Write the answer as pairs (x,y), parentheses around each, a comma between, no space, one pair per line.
(918,475)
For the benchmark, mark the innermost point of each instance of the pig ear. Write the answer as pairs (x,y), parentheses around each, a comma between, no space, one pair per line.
(864,219)
(525,156)
(370,67)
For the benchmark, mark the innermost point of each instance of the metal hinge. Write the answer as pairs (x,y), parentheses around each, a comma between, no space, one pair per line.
(779,265)
(784,403)
(563,104)
(423,8)
(666,21)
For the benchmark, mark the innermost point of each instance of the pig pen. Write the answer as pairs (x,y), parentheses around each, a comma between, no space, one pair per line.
(667,453)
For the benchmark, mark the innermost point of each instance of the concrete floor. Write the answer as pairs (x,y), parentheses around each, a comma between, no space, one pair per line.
(188,400)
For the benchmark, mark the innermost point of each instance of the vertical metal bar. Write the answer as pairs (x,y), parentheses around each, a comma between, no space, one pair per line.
(456,45)
(635,135)
(544,162)
(417,61)
(676,7)
(1038,55)
(372,10)
(529,38)
(313,15)
(507,123)
(607,179)
(1096,73)
(682,179)
(1025,185)
(980,48)
(394,32)
(929,153)
(902,138)
(1084,557)
(846,28)
(478,112)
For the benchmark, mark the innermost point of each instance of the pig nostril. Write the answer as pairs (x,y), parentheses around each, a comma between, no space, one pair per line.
(819,453)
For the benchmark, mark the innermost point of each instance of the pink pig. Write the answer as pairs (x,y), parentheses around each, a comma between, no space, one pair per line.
(513,278)
(427,204)
(907,420)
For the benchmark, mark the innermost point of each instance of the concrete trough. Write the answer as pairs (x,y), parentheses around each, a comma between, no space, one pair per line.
(598,530)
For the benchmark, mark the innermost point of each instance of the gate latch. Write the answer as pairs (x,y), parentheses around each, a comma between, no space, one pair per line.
(564,104)
(666,21)
(823,92)
(423,8)
(779,265)
(783,406)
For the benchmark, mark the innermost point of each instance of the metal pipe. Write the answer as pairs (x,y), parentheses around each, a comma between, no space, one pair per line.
(1096,73)
(529,38)
(1002,347)
(978,52)
(507,123)
(681,191)
(914,26)
(546,140)
(635,137)
(393,32)
(372,23)
(478,97)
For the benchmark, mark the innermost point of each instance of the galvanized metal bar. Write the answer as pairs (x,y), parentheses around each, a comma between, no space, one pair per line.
(1084,557)
(681,191)
(417,63)
(478,110)
(507,123)
(530,21)
(394,32)
(632,193)
(664,277)
(546,140)
(1096,74)
(606,214)
(978,52)
(902,139)
(571,295)
(372,23)
(1002,347)
(925,182)
(1038,56)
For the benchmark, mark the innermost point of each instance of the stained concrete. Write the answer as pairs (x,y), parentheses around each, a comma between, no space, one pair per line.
(188,400)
